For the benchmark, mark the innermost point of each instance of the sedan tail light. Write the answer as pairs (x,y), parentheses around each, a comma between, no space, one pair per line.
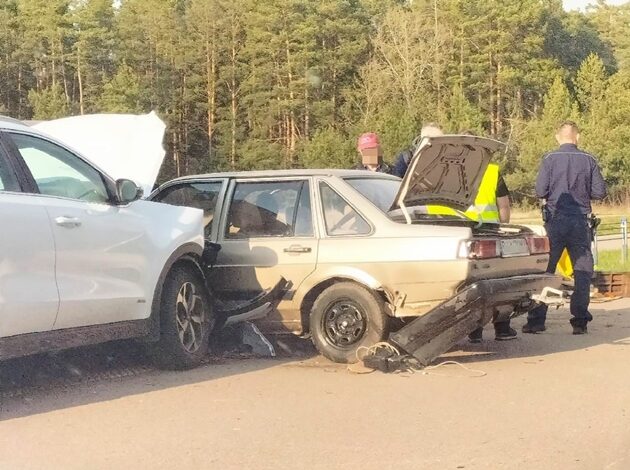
(482,249)
(538,245)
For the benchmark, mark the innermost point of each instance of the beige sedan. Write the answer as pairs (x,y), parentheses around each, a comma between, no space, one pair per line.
(357,247)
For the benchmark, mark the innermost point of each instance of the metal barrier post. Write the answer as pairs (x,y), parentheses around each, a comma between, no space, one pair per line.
(624,239)
(595,254)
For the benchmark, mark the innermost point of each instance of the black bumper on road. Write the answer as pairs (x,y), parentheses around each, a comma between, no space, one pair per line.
(437,331)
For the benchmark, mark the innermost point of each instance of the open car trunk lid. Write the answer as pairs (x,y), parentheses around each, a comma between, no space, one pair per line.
(447,171)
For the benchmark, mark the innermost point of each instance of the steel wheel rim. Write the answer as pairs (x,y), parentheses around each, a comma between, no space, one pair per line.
(344,324)
(190,317)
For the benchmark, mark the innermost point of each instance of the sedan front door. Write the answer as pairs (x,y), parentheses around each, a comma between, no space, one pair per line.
(267,232)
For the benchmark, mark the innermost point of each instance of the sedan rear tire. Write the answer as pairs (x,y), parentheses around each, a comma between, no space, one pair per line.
(346,317)
(186,321)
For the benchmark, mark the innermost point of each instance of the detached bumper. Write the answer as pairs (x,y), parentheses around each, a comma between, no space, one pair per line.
(437,331)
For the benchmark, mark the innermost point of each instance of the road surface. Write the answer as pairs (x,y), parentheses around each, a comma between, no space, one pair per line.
(549,401)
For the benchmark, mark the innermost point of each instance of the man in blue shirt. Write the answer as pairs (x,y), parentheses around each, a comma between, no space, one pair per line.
(401,164)
(568,180)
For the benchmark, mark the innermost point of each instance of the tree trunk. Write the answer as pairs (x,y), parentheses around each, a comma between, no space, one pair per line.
(499,104)
(307,116)
(19,88)
(80,80)
(212,96)
(438,61)
(491,96)
(233,94)
(291,137)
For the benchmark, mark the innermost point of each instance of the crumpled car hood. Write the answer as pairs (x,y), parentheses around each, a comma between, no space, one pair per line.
(123,145)
(446,170)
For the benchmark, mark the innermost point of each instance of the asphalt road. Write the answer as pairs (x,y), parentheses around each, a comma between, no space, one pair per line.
(549,401)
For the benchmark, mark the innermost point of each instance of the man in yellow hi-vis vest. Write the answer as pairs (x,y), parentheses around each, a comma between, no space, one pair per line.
(492,205)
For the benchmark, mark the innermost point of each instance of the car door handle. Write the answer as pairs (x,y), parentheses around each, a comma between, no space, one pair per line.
(298,249)
(68,222)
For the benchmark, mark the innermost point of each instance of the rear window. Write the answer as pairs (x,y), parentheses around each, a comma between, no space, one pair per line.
(381,192)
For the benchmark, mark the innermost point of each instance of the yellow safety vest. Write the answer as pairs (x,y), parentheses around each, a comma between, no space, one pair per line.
(485,208)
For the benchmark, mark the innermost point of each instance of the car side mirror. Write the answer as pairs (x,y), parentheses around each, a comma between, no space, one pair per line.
(127,191)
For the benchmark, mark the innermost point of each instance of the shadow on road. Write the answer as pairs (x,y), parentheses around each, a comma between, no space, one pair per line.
(114,370)
(83,376)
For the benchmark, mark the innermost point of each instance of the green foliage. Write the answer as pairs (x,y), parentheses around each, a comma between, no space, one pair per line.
(49,103)
(329,149)
(122,93)
(286,83)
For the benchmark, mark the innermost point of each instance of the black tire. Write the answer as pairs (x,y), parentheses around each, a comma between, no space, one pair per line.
(185,324)
(346,317)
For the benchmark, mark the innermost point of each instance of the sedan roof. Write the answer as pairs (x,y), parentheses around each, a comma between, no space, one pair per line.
(289,173)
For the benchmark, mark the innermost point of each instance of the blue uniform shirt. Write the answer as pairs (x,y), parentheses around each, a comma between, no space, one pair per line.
(569,179)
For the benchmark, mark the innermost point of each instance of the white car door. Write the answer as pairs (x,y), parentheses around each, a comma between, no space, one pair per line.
(28,292)
(102,253)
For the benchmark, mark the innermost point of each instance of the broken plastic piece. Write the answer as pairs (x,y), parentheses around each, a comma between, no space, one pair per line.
(551,296)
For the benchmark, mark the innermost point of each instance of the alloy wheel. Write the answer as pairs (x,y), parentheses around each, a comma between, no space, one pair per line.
(190,317)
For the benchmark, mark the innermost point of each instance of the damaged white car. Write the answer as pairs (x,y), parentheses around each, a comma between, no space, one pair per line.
(82,258)
(361,255)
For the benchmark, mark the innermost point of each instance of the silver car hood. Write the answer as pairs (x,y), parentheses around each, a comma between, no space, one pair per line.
(446,170)
(122,145)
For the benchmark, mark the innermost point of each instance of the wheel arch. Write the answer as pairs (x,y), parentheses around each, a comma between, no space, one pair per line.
(309,298)
(188,254)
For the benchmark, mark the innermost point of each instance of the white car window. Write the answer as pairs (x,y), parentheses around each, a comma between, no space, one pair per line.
(202,196)
(340,217)
(270,209)
(7,179)
(57,172)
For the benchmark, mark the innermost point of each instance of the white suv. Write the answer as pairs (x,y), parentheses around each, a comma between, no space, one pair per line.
(84,260)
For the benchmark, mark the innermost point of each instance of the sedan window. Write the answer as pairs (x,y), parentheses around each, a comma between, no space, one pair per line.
(270,209)
(381,192)
(202,196)
(57,172)
(340,217)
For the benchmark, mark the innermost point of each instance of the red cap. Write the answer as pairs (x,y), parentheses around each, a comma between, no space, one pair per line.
(369,140)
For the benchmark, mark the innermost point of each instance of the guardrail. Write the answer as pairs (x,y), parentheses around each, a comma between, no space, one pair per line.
(611,232)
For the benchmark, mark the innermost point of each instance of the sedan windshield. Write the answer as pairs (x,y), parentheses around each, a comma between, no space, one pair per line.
(380,192)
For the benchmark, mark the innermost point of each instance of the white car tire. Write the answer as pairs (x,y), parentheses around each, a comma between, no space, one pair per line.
(186,320)
(345,318)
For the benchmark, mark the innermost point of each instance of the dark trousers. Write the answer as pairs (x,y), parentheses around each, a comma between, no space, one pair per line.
(573,233)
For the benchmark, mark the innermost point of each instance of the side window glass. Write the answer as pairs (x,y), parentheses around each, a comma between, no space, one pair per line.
(340,217)
(304,214)
(57,172)
(8,181)
(202,196)
(268,209)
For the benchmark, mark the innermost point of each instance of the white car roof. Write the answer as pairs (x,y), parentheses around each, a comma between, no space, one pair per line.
(15,125)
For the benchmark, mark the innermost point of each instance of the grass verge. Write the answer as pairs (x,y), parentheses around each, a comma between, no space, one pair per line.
(611,261)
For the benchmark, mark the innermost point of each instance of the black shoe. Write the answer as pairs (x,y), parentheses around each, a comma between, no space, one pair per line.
(533,329)
(580,330)
(505,334)
(475,336)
